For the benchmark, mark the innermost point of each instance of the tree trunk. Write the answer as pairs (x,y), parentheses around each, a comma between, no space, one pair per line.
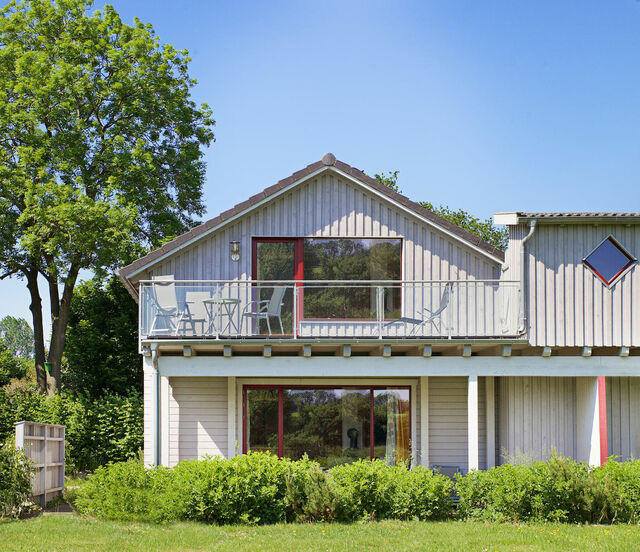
(38,333)
(60,313)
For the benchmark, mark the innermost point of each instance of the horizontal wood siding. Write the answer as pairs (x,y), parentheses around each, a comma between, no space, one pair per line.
(535,416)
(567,305)
(330,206)
(623,417)
(197,418)
(448,435)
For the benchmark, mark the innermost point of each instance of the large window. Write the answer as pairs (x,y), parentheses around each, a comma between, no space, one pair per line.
(332,259)
(332,425)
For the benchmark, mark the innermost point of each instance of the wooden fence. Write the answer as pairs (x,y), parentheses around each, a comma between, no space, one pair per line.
(44,445)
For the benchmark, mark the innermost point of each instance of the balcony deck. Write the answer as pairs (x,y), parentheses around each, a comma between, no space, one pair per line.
(254,311)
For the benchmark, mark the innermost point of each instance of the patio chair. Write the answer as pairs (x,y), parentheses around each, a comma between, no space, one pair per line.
(267,308)
(165,305)
(433,317)
(195,311)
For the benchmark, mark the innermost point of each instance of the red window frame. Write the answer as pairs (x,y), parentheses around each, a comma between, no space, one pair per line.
(281,387)
(630,261)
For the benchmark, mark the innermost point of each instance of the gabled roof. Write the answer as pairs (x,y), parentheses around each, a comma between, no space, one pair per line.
(327,162)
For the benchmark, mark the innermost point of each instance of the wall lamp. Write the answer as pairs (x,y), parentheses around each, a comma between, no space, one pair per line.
(235,250)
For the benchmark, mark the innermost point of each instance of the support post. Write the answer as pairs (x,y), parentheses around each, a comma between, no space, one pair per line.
(231,416)
(602,408)
(472,423)
(588,420)
(490,398)
(424,421)
(164,421)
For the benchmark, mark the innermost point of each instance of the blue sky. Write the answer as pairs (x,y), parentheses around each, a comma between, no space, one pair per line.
(486,106)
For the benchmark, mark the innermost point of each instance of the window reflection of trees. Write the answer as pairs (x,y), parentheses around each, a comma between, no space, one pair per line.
(350,259)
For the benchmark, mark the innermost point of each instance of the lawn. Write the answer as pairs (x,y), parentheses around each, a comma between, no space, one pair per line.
(71,532)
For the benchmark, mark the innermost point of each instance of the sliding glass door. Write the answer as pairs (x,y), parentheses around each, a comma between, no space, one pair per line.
(332,425)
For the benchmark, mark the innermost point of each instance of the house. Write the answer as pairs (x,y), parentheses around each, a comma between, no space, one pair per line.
(331,316)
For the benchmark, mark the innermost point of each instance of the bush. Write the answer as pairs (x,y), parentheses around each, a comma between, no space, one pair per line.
(620,484)
(15,480)
(259,488)
(98,431)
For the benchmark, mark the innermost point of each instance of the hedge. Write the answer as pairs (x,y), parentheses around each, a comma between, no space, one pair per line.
(101,430)
(258,488)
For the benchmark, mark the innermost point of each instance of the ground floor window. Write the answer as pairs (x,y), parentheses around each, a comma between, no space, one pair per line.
(332,425)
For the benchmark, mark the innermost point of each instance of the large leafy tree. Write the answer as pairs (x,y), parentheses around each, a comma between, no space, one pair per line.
(18,336)
(101,351)
(484,229)
(100,150)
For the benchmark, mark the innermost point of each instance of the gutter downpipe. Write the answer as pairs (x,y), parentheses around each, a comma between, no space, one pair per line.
(523,317)
(156,405)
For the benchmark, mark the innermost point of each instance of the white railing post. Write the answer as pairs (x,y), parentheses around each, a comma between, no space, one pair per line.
(295,311)
(380,309)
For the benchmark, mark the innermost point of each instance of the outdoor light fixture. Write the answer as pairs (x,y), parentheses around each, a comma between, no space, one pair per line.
(235,250)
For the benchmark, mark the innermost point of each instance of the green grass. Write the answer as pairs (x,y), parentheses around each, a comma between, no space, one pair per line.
(71,532)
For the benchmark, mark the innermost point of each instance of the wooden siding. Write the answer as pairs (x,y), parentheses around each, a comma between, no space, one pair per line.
(197,418)
(536,416)
(567,305)
(329,206)
(448,435)
(623,415)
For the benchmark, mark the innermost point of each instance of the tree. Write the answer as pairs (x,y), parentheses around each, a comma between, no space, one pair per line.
(389,179)
(10,366)
(18,336)
(484,229)
(101,351)
(100,150)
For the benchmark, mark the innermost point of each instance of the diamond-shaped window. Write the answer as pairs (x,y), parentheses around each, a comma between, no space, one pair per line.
(609,260)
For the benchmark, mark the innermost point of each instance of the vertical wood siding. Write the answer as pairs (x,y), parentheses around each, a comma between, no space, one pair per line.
(567,305)
(197,418)
(330,206)
(623,415)
(448,434)
(535,416)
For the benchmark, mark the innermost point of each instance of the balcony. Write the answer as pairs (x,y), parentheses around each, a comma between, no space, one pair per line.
(290,310)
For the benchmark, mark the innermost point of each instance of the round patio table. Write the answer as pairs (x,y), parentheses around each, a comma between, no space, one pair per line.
(217,308)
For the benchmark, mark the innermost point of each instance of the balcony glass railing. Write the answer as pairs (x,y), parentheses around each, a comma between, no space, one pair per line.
(242,309)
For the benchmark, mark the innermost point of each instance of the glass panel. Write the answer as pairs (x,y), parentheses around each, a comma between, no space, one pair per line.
(350,259)
(332,426)
(262,420)
(391,425)
(608,260)
(276,261)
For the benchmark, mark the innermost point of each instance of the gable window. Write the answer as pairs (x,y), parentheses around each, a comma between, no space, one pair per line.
(331,424)
(609,261)
(351,259)
(331,259)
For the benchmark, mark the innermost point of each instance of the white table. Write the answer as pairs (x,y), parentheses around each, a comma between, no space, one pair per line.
(218,307)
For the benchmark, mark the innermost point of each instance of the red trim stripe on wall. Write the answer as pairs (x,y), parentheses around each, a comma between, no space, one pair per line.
(602,408)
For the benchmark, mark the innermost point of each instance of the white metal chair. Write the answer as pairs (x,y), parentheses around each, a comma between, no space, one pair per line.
(165,305)
(195,311)
(433,317)
(267,308)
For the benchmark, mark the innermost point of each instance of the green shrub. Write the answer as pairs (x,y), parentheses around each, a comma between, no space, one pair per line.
(15,480)
(620,484)
(312,494)
(98,431)
(119,491)
(422,495)
(559,489)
